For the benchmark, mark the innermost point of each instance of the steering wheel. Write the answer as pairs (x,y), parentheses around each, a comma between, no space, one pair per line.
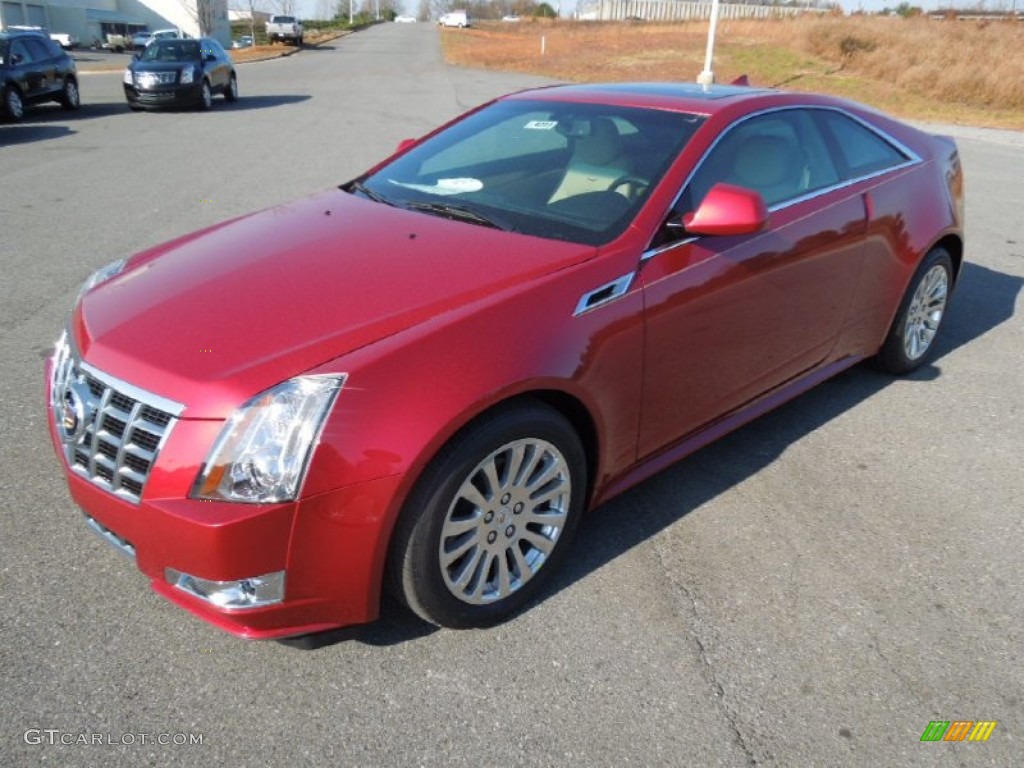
(634,186)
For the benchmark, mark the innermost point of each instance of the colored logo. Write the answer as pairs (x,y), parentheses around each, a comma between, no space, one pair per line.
(958,730)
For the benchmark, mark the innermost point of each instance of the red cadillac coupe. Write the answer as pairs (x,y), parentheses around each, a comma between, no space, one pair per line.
(424,378)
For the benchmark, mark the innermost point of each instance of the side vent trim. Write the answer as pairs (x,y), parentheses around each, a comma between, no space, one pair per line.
(606,294)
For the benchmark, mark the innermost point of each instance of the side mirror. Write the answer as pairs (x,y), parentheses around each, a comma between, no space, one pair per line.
(727,210)
(210,57)
(17,58)
(404,144)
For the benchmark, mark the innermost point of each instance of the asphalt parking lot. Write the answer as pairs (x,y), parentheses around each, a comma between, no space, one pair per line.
(810,591)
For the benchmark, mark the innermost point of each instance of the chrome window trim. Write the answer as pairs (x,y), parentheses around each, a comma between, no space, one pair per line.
(616,289)
(912,159)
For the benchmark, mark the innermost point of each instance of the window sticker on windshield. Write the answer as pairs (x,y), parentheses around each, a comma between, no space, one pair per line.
(541,125)
(445,186)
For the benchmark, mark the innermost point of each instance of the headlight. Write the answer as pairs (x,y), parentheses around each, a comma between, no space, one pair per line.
(101,275)
(262,453)
(187,76)
(127,77)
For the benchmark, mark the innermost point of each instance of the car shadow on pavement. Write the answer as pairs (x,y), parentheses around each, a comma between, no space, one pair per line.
(23,134)
(984,299)
(259,102)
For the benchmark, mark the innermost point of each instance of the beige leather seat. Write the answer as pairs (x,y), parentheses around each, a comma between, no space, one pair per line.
(596,163)
(771,165)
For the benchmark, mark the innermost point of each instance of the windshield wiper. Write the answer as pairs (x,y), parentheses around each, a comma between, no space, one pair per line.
(365,191)
(460,213)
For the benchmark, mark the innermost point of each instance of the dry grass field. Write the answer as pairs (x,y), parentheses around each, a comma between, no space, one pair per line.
(950,71)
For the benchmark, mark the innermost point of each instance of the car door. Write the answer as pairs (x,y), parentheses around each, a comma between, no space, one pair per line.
(730,318)
(216,67)
(28,72)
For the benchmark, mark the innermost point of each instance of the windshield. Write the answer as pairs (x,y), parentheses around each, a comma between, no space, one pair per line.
(171,50)
(567,171)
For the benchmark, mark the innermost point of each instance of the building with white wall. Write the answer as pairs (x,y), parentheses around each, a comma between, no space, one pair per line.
(90,21)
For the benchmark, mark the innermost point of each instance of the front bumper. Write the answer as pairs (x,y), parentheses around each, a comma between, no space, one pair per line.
(163,95)
(330,547)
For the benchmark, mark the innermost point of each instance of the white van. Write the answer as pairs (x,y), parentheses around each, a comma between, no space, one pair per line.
(454,19)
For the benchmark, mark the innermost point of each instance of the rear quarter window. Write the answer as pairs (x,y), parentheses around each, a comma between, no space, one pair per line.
(859,149)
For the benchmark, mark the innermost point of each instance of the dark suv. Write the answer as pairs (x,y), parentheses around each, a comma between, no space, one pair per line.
(35,69)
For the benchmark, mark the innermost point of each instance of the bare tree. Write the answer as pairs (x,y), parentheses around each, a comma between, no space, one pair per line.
(203,13)
(249,7)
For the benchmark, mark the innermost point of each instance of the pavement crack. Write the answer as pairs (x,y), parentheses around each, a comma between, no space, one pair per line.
(690,613)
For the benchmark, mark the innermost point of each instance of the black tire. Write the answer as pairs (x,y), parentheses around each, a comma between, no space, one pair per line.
(911,339)
(496,541)
(14,105)
(70,99)
(205,96)
(231,92)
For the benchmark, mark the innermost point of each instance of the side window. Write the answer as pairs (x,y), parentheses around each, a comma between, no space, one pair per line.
(54,49)
(38,50)
(781,155)
(860,150)
(18,49)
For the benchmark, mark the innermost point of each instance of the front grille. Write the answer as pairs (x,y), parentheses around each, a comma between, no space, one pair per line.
(149,79)
(111,431)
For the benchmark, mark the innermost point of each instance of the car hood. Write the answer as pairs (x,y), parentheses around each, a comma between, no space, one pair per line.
(217,316)
(161,66)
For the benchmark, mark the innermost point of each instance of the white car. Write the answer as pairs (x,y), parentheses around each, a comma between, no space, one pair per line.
(405,19)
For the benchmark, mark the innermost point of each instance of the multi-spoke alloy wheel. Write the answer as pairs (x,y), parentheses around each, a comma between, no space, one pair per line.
(505,520)
(920,315)
(925,312)
(490,518)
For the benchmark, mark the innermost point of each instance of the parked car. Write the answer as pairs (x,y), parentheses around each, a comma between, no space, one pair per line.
(506,323)
(172,72)
(458,19)
(33,70)
(284,28)
(245,41)
(63,39)
(141,39)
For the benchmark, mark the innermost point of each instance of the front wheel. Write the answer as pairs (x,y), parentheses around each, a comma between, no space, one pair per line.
(491,517)
(13,103)
(205,96)
(919,318)
(231,92)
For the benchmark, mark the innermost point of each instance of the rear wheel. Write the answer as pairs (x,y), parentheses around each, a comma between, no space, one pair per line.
(69,97)
(491,518)
(912,336)
(13,104)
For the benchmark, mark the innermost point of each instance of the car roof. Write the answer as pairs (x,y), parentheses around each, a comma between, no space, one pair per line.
(10,34)
(674,96)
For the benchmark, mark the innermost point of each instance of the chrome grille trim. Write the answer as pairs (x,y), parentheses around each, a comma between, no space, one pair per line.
(122,545)
(124,426)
